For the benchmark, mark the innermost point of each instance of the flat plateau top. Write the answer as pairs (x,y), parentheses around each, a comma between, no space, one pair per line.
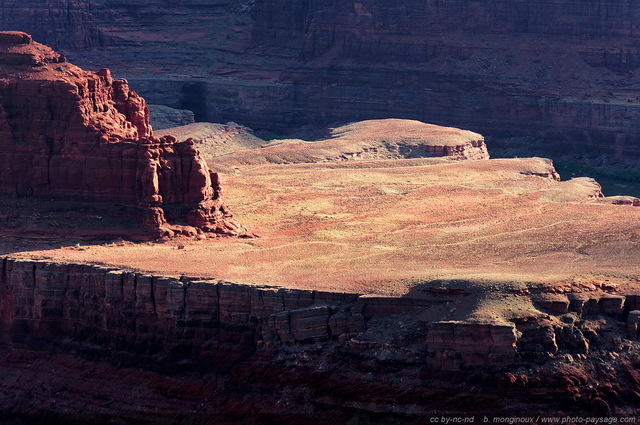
(381,226)
(401,129)
(370,139)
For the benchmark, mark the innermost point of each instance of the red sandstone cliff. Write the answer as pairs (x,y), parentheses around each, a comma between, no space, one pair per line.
(71,134)
(297,355)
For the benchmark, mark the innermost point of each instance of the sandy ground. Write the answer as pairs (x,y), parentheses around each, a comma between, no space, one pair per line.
(214,140)
(363,140)
(383,226)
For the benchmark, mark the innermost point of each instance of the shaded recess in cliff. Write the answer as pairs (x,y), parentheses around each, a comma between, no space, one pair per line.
(69,134)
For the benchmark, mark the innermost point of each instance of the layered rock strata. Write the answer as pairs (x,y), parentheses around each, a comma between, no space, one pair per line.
(322,343)
(175,318)
(557,71)
(66,133)
(69,23)
(153,319)
(562,73)
(364,140)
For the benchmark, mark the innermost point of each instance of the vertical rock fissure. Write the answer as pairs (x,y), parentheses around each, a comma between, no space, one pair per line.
(185,286)
(36,311)
(218,302)
(152,295)
(5,279)
(135,289)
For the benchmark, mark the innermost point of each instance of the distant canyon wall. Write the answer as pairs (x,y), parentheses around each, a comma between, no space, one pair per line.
(59,23)
(564,73)
(373,31)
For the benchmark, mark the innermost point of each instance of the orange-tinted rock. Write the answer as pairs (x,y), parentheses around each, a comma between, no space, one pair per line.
(71,134)
(600,407)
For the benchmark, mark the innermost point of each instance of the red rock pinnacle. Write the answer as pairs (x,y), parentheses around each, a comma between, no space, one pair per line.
(66,133)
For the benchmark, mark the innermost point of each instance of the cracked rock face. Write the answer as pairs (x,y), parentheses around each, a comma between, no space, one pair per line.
(70,134)
(64,327)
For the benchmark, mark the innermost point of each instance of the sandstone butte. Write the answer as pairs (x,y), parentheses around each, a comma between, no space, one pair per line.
(386,288)
(70,134)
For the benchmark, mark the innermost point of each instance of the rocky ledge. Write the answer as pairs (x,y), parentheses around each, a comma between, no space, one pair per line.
(70,134)
(321,354)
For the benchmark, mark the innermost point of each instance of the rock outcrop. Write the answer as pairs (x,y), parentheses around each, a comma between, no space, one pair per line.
(66,133)
(363,140)
(296,354)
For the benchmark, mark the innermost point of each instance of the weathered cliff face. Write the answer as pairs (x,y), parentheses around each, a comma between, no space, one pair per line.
(371,31)
(159,321)
(545,67)
(83,136)
(561,72)
(68,23)
(319,354)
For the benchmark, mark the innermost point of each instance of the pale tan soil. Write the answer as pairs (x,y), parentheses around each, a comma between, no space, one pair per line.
(386,226)
(214,140)
(370,139)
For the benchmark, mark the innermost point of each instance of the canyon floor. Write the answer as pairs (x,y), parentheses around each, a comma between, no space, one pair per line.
(383,227)
(467,244)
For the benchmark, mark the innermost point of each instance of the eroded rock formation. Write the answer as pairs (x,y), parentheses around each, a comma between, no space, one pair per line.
(290,355)
(66,133)
(363,140)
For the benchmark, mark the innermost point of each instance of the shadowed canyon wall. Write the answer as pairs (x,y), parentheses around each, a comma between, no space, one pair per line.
(158,321)
(562,72)
(558,71)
